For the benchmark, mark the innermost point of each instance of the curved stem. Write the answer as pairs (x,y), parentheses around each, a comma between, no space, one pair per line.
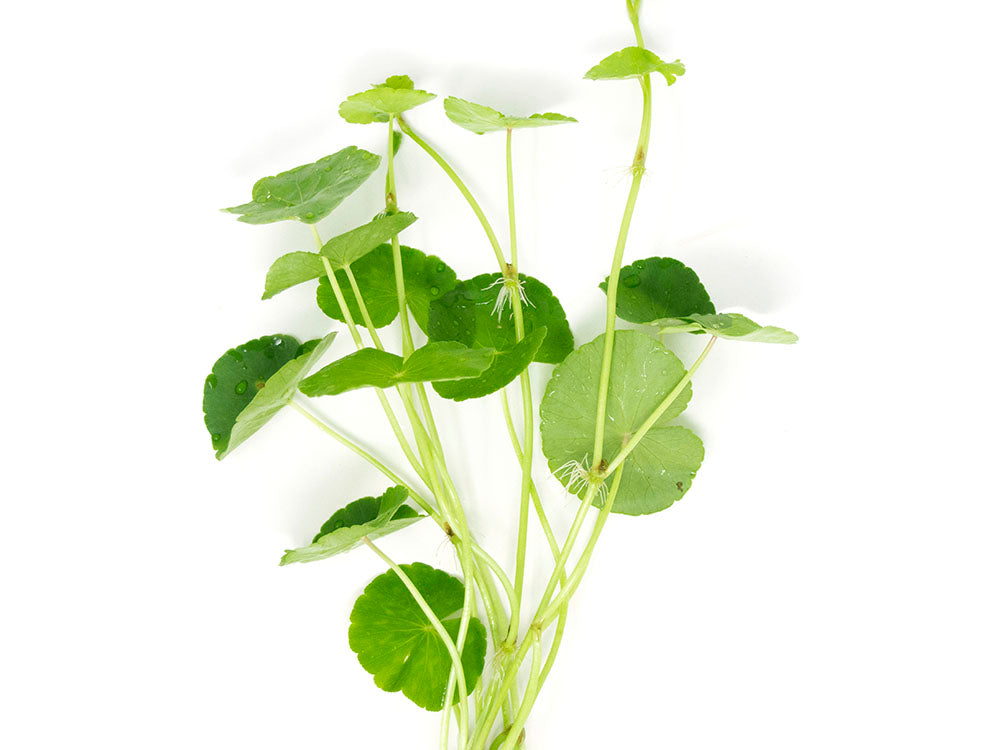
(530,693)
(436,623)
(462,188)
(358,450)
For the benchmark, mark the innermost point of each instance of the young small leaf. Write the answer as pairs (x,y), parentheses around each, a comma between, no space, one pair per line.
(249,384)
(728,326)
(656,288)
(425,278)
(291,269)
(474,314)
(371,517)
(378,103)
(398,646)
(310,192)
(481,119)
(660,469)
(448,360)
(633,62)
(507,365)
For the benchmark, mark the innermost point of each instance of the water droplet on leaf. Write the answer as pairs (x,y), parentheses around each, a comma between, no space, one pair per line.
(631,281)
(241,387)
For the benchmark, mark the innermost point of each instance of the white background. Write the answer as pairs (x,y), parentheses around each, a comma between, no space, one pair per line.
(831,580)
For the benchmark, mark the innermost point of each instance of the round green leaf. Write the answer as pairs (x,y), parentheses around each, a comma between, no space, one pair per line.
(655,288)
(469,313)
(728,326)
(425,278)
(249,384)
(371,517)
(660,469)
(398,646)
(481,119)
(378,103)
(310,192)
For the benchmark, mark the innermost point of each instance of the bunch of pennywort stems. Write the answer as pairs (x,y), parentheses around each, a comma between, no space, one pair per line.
(512,641)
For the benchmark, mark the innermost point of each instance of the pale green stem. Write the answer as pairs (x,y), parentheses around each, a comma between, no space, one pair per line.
(567,548)
(638,169)
(658,412)
(530,692)
(453,651)
(462,188)
(397,258)
(485,722)
(358,450)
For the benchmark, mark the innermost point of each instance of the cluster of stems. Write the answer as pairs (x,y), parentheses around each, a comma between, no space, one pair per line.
(499,695)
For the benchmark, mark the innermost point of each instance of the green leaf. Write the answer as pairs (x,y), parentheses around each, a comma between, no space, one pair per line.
(728,326)
(310,192)
(660,469)
(378,103)
(371,517)
(633,62)
(470,313)
(291,269)
(481,119)
(507,365)
(296,267)
(348,247)
(249,384)
(447,360)
(656,288)
(398,646)
(425,278)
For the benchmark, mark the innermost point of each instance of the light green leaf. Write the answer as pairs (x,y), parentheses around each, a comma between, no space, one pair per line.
(728,326)
(378,103)
(633,62)
(310,192)
(371,517)
(507,365)
(249,384)
(660,469)
(656,288)
(471,313)
(368,367)
(348,247)
(481,119)
(425,278)
(398,646)
(291,269)
(294,268)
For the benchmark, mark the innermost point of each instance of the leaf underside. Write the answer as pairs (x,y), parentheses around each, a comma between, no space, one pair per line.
(481,119)
(310,192)
(379,103)
(654,288)
(398,646)
(728,326)
(371,517)
(660,469)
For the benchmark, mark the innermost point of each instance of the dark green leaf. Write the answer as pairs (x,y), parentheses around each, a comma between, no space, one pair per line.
(507,365)
(398,646)
(656,288)
(393,97)
(728,326)
(310,192)
(371,517)
(633,62)
(471,314)
(435,361)
(660,469)
(425,278)
(249,384)
(481,119)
